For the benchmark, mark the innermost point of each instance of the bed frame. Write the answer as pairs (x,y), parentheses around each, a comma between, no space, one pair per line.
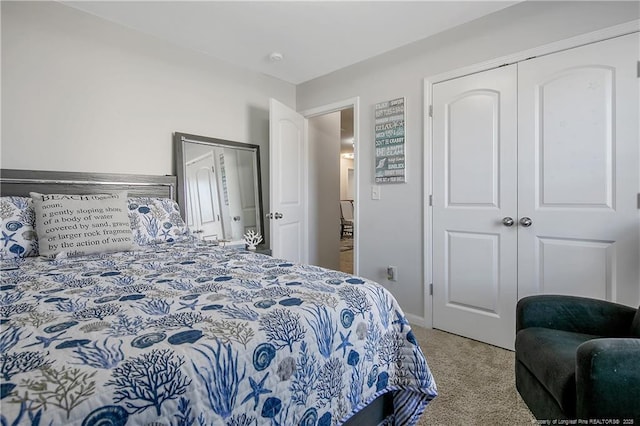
(15,182)
(21,182)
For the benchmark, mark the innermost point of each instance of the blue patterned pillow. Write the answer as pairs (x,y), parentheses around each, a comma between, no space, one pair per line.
(19,238)
(156,220)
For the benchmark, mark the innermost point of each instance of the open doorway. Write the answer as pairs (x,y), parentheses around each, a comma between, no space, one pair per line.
(347,190)
(332,188)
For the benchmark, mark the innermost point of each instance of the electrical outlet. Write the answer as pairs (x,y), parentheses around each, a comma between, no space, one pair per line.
(392,273)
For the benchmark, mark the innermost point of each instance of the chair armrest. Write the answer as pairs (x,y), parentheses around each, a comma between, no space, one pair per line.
(608,379)
(575,314)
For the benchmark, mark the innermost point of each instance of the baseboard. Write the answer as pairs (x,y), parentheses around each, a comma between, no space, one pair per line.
(416,320)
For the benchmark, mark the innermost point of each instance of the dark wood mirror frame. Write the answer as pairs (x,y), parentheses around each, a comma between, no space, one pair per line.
(179,140)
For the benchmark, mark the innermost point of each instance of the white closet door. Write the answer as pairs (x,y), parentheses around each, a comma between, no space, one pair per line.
(474,188)
(578,172)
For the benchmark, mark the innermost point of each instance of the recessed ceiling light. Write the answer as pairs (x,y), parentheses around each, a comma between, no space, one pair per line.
(276,57)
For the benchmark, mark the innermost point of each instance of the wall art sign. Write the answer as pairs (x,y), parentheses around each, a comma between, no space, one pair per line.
(390,141)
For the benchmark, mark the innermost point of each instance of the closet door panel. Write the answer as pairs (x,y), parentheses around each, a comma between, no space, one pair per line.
(574,114)
(578,172)
(474,188)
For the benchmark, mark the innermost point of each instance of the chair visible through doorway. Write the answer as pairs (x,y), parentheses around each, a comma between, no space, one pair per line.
(346,218)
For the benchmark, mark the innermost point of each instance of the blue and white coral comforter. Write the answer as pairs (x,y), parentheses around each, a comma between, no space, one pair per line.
(181,334)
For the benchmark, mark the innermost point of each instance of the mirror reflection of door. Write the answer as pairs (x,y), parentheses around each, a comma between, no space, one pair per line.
(203,214)
(223,194)
(237,177)
(248,203)
(219,187)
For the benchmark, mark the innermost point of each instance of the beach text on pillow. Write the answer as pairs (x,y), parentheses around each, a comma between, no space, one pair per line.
(77,225)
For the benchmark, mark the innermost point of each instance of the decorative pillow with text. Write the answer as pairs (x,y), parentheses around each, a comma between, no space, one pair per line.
(19,238)
(77,225)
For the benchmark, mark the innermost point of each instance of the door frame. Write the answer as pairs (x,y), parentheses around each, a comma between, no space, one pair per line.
(327,109)
(428,82)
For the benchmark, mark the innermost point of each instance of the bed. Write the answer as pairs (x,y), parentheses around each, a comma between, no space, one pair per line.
(181,332)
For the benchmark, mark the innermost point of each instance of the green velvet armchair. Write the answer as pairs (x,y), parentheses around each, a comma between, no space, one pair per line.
(578,358)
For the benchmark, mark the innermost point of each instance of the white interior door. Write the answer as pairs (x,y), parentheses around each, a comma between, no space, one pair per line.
(578,172)
(474,188)
(287,163)
(203,216)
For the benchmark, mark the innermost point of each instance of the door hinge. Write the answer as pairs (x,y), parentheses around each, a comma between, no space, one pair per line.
(638,201)
(431,289)
(430,199)
(430,110)
(638,69)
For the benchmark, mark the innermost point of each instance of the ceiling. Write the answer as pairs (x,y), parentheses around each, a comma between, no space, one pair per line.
(315,38)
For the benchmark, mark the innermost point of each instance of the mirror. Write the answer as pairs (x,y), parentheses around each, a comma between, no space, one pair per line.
(219,188)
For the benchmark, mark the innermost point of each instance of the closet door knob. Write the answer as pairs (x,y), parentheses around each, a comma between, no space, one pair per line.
(526,222)
(508,221)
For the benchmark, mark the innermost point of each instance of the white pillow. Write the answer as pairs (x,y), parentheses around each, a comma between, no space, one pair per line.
(76,225)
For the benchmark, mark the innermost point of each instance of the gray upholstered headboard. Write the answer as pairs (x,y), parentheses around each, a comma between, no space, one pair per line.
(21,182)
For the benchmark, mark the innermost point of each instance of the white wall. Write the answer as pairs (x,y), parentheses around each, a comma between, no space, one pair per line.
(345,165)
(324,190)
(391,230)
(83,94)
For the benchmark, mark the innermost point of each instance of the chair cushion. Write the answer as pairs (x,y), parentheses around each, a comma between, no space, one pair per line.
(550,356)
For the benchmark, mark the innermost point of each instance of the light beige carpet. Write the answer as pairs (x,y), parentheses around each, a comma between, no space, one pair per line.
(476,382)
(346,255)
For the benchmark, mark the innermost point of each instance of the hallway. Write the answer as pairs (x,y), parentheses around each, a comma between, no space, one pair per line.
(346,255)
